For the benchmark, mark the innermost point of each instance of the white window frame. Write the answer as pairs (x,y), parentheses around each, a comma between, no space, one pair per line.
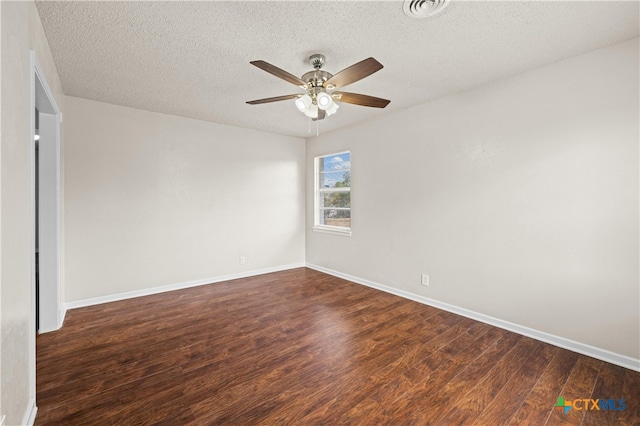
(317,226)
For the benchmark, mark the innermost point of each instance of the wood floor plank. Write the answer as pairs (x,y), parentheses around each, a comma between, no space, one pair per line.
(579,386)
(303,347)
(375,353)
(631,392)
(438,366)
(609,385)
(538,405)
(104,407)
(478,398)
(444,396)
(404,358)
(327,401)
(504,405)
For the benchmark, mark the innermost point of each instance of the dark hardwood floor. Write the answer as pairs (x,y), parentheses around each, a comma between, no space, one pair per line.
(301,347)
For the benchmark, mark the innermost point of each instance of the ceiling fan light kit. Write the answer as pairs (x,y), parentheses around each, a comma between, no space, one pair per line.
(324,100)
(305,105)
(304,102)
(319,99)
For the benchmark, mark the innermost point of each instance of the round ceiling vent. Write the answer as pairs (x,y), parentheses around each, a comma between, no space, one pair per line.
(424,8)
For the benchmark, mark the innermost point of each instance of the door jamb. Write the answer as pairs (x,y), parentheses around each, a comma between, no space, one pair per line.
(41,97)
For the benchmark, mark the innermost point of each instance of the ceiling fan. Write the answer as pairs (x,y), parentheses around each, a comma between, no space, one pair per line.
(319,98)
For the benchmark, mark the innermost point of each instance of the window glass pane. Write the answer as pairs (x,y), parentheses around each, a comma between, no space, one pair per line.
(333,193)
(335,171)
(335,199)
(335,217)
(341,179)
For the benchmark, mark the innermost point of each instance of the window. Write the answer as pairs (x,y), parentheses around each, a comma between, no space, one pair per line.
(332,204)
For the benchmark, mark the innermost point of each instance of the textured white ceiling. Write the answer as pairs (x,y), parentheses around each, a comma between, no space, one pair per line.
(192,58)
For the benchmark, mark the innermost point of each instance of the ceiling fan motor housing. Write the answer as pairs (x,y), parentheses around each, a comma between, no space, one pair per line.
(316,78)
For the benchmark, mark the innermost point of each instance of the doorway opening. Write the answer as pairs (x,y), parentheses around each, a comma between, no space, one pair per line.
(46,201)
(46,296)
(36,207)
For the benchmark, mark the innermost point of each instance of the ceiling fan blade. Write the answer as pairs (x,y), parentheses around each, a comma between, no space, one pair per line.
(321,115)
(354,73)
(272,69)
(274,99)
(358,99)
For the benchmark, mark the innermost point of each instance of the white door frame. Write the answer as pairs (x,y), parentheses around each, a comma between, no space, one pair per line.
(51,312)
(49,201)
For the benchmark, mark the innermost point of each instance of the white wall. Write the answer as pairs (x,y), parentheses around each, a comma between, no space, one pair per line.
(21,31)
(518,198)
(154,200)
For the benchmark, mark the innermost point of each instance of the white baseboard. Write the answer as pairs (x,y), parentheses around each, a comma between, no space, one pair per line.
(62,313)
(155,290)
(592,351)
(581,348)
(30,415)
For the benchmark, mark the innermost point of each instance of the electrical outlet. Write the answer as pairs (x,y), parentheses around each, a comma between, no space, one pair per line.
(425,280)
(242,260)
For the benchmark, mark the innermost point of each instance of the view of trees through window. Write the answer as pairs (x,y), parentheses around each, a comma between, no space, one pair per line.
(334,192)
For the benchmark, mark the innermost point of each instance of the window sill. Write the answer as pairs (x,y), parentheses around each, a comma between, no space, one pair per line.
(335,230)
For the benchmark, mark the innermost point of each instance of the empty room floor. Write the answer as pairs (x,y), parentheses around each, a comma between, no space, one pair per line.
(302,347)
